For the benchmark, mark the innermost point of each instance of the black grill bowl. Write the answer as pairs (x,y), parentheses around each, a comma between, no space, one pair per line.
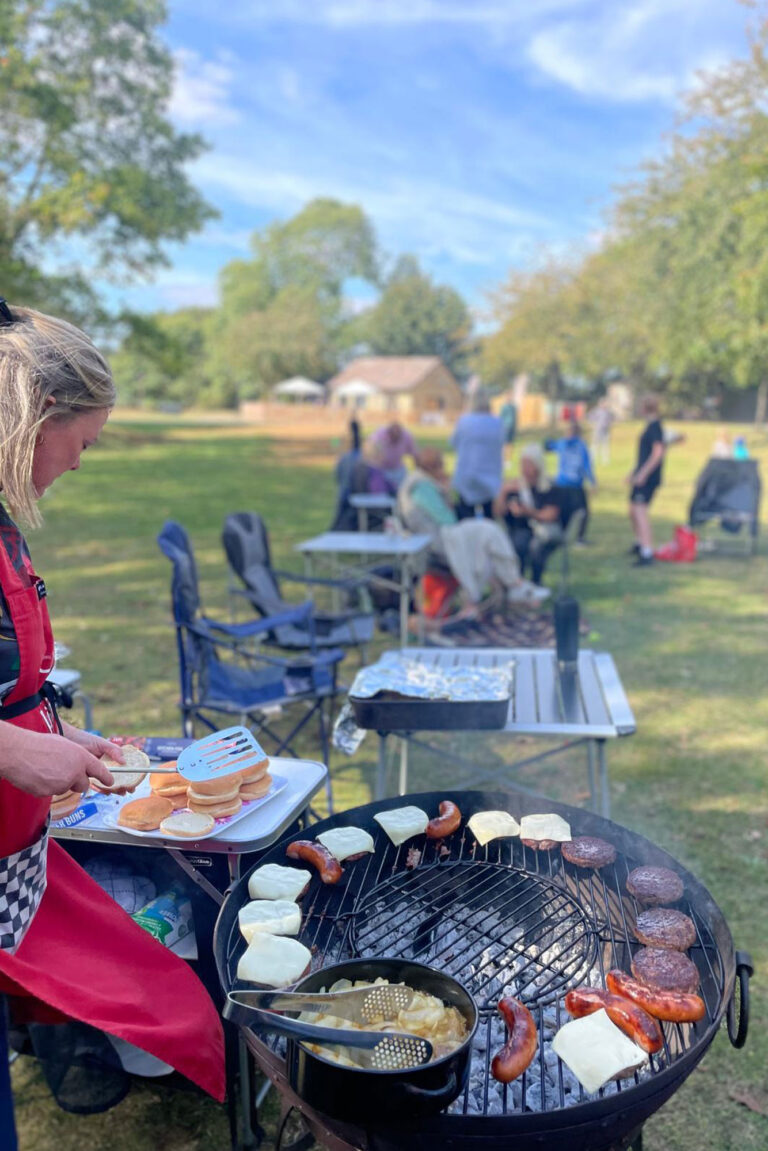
(357,1096)
(591,908)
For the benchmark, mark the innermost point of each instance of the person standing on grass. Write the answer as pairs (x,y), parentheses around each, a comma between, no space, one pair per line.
(67,950)
(601,418)
(391,444)
(574,468)
(479,442)
(646,479)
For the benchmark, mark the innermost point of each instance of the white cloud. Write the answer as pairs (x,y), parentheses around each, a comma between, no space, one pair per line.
(180,288)
(430,218)
(644,50)
(201,91)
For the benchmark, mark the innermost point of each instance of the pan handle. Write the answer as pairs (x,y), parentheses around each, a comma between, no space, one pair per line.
(744,969)
(446,1092)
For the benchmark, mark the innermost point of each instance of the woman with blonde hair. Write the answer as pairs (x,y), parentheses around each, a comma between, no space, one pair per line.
(67,951)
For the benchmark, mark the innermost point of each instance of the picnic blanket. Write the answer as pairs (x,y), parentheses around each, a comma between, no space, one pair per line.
(500,629)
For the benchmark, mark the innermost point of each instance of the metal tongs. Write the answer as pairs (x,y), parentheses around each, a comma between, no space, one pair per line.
(373,1050)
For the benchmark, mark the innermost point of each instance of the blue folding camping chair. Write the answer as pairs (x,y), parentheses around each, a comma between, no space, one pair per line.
(225,678)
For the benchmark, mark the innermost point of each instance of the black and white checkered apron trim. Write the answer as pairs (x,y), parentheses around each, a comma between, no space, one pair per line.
(22,885)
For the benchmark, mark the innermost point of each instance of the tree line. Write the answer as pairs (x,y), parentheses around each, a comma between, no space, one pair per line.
(93,182)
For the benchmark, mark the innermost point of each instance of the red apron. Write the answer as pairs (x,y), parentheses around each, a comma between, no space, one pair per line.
(82,955)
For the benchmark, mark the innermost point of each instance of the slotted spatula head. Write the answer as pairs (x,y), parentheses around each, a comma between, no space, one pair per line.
(233,749)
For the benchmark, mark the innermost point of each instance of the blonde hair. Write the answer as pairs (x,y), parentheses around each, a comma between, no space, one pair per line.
(42,359)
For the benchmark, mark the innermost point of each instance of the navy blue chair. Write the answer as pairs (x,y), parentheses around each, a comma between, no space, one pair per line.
(246,544)
(226,678)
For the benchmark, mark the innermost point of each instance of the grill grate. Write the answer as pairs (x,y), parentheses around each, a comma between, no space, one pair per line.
(503,919)
(498,929)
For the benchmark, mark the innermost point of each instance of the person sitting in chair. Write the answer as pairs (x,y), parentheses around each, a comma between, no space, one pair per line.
(475,551)
(533,511)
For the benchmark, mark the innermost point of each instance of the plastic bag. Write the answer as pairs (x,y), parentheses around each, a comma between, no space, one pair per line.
(682,549)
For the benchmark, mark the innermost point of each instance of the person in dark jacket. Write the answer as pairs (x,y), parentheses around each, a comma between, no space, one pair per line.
(645,479)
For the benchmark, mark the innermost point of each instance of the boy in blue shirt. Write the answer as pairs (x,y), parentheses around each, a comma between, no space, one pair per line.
(574,467)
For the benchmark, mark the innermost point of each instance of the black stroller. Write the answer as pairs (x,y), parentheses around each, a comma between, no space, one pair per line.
(727,497)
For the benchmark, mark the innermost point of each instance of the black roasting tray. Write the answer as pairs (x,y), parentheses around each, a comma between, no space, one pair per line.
(387,711)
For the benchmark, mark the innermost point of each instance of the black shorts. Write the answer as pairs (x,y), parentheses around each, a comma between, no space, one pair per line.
(643,493)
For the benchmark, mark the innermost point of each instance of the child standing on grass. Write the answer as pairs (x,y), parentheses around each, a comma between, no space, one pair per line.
(574,468)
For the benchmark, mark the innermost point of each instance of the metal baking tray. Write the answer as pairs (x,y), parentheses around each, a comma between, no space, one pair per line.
(388,712)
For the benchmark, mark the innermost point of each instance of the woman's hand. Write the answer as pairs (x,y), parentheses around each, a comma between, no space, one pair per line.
(43,764)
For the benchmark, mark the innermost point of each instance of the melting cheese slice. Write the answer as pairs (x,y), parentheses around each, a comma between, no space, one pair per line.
(596,1050)
(402,823)
(488,825)
(549,826)
(275,882)
(273,960)
(275,916)
(345,841)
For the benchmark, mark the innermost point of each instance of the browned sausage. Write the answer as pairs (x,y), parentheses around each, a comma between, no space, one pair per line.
(448,821)
(320,857)
(522,1041)
(641,1028)
(675,1006)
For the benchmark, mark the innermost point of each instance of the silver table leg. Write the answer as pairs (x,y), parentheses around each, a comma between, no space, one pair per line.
(402,785)
(591,774)
(381,769)
(605,798)
(405,570)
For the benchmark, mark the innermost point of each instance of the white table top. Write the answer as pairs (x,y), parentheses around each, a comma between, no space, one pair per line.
(368,543)
(252,833)
(372,500)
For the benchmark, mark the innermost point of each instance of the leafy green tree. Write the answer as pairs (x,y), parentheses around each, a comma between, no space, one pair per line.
(88,156)
(281,312)
(415,317)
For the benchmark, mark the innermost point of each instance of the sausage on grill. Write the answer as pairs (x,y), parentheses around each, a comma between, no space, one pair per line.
(448,821)
(674,1006)
(641,1028)
(522,1041)
(311,851)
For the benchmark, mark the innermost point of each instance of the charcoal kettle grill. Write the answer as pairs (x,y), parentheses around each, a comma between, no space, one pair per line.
(503,920)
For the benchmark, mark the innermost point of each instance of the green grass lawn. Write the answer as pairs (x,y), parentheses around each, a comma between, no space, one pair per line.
(689,641)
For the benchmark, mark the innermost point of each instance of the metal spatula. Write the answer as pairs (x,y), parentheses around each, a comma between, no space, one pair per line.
(380,1001)
(372,1050)
(219,754)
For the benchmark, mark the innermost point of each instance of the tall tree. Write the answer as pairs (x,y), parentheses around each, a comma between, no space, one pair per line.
(282,311)
(415,316)
(88,156)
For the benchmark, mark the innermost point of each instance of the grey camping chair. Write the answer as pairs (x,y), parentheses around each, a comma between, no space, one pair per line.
(246,544)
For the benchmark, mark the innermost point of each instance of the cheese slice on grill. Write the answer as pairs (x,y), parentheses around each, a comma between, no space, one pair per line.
(273,960)
(548,826)
(345,841)
(596,1050)
(402,823)
(275,916)
(488,825)
(275,882)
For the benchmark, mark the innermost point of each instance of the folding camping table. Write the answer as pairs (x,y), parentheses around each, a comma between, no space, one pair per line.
(407,553)
(583,706)
(364,502)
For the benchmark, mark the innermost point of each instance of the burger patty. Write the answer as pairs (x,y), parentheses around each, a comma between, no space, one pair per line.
(667,970)
(541,844)
(654,885)
(665,927)
(589,851)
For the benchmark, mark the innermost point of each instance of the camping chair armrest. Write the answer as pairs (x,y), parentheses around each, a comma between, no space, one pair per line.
(298,614)
(321,581)
(330,655)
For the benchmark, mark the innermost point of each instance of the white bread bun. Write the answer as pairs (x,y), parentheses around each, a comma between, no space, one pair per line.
(202,800)
(252,774)
(216,810)
(187,824)
(217,787)
(134,758)
(257,789)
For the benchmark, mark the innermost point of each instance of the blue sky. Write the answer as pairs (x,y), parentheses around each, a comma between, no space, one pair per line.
(475,134)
